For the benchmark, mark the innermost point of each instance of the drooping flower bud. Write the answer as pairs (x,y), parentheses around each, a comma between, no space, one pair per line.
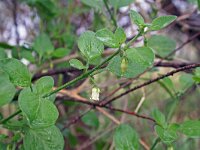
(124,65)
(95,94)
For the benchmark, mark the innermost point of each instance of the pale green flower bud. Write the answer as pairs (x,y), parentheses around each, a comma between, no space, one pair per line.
(95,94)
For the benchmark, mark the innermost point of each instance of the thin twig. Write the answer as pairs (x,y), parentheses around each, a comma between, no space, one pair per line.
(152,81)
(111,108)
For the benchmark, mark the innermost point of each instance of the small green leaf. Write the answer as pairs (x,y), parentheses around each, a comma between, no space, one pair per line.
(139,59)
(96,4)
(198,2)
(162,45)
(167,135)
(60,52)
(159,118)
(43,139)
(196,76)
(137,18)
(162,22)
(110,39)
(5,45)
(27,55)
(18,73)
(107,37)
(44,85)
(191,128)
(73,139)
(186,81)
(2,53)
(7,89)
(90,46)
(46,116)
(126,138)
(29,103)
(77,64)
(120,3)
(168,83)
(45,11)
(120,35)
(43,45)
(91,119)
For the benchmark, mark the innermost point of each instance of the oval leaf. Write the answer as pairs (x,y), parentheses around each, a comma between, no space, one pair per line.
(120,35)
(159,118)
(42,44)
(91,119)
(162,22)
(190,128)
(7,89)
(44,85)
(120,3)
(60,52)
(96,4)
(167,135)
(27,55)
(90,46)
(126,138)
(139,59)
(18,73)
(136,18)
(2,53)
(77,64)
(46,116)
(29,103)
(110,39)
(43,139)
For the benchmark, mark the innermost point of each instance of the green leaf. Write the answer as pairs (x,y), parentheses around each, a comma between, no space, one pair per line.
(43,45)
(29,103)
(159,118)
(120,3)
(162,45)
(18,73)
(45,11)
(73,139)
(168,85)
(77,64)
(137,18)
(60,52)
(110,39)
(126,138)
(5,45)
(7,89)
(96,4)
(43,139)
(139,59)
(27,55)
(162,22)
(44,85)
(196,76)
(186,81)
(90,46)
(46,116)
(167,135)
(190,128)
(120,35)
(91,119)
(107,37)
(2,53)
